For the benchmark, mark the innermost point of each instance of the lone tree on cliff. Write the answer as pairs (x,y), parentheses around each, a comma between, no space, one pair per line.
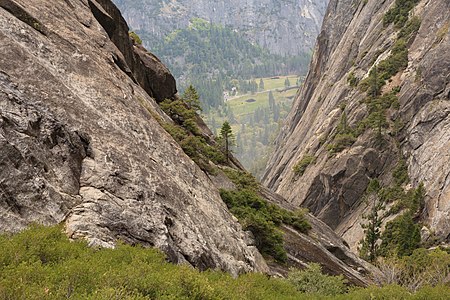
(191,97)
(227,138)
(373,219)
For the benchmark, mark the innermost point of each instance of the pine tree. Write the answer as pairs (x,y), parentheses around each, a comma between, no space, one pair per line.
(228,138)
(271,101)
(287,83)
(372,228)
(191,97)
(276,113)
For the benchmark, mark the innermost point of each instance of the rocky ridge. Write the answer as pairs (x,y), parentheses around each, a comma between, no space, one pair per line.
(355,38)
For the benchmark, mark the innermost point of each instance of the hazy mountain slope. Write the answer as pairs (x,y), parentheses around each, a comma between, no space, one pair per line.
(359,129)
(282,26)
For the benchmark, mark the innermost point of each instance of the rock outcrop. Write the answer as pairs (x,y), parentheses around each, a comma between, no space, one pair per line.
(282,26)
(80,144)
(356,37)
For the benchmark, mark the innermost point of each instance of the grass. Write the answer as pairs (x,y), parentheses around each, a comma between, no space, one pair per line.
(253,144)
(270,84)
(41,263)
(240,107)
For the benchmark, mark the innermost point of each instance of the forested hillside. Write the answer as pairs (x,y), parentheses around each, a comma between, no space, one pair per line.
(285,27)
(213,57)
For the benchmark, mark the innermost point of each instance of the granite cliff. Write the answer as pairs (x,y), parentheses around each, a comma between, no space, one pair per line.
(287,27)
(83,143)
(79,145)
(375,105)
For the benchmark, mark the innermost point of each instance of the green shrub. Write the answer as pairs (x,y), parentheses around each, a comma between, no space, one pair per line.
(399,13)
(262,218)
(400,173)
(341,141)
(242,179)
(352,79)
(41,263)
(135,37)
(253,214)
(301,166)
(411,27)
(423,268)
(186,133)
(181,114)
(401,236)
(313,281)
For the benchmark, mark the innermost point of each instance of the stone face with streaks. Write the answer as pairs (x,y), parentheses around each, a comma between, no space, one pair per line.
(79,142)
(352,39)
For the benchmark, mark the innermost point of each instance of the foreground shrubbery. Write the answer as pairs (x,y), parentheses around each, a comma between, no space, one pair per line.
(259,216)
(41,263)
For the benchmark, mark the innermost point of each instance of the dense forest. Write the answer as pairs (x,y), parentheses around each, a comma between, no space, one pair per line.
(213,57)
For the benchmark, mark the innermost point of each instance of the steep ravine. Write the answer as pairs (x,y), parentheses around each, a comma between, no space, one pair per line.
(333,104)
(82,144)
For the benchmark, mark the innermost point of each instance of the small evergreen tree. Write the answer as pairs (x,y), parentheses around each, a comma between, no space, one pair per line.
(287,83)
(191,97)
(271,100)
(369,245)
(261,85)
(227,136)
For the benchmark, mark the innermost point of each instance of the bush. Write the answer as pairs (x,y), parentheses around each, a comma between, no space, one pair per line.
(399,13)
(301,166)
(400,173)
(181,114)
(262,218)
(341,141)
(135,37)
(41,263)
(186,133)
(401,236)
(242,180)
(313,281)
(422,268)
(352,79)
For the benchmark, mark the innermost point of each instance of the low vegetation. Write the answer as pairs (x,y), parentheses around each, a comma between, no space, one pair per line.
(313,281)
(399,13)
(135,37)
(302,164)
(343,137)
(352,79)
(260,217)
(41,263)
(186,132)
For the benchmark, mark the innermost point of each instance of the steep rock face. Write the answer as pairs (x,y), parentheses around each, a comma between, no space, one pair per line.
(352,41)
(282,26)
(80,143)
